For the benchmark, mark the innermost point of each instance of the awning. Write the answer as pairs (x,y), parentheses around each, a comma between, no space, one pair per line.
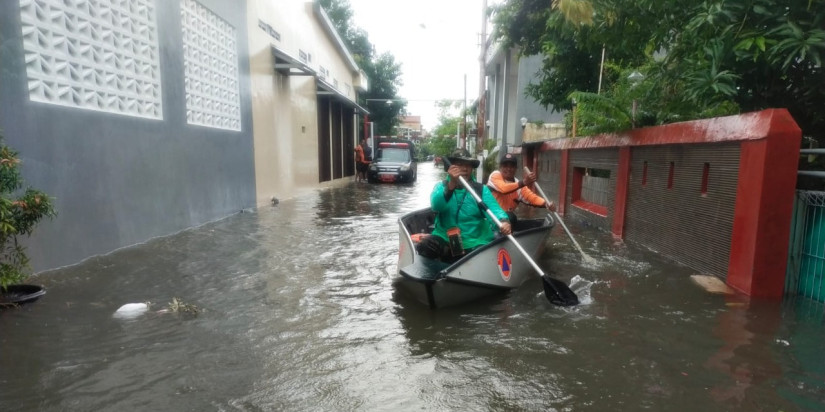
(290,66)
(326,89)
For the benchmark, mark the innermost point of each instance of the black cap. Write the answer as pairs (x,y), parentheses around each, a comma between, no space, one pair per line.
(464,156)
(508,158)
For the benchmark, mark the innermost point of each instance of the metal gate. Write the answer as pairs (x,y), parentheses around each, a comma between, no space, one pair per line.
(806,257)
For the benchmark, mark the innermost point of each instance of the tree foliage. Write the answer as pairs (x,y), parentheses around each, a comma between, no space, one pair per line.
(450,113)
(19,214)
(699,58)
(447,127)
(384,83)
(437,146)
(383,72)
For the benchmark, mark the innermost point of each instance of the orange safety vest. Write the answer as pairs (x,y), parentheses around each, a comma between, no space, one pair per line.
(509,195)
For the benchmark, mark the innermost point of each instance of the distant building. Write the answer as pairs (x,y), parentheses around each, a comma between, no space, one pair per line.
(410,127)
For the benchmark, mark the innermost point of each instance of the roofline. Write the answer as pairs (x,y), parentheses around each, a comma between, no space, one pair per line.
(326,23)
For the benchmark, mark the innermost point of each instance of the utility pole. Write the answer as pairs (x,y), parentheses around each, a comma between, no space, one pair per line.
(481,115)
(464,115)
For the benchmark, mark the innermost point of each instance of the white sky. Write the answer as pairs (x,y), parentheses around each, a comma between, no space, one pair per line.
(436,42)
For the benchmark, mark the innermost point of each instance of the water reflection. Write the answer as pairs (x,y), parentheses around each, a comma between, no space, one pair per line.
(301,314)
(746,356)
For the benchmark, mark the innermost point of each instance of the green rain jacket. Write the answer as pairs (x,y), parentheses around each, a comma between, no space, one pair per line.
(461,210)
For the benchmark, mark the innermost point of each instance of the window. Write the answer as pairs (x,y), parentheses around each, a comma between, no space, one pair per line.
(591,189)
(79,55)
(210,68)
(644,174)
(705,174)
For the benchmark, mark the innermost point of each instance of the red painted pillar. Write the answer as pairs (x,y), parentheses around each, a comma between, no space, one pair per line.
(622,183)
(576,186)
(764,203)
(529,159)
(563,173)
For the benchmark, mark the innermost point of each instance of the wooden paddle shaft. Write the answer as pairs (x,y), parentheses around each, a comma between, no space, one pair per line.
(498,223)
(541,192)
(512,239)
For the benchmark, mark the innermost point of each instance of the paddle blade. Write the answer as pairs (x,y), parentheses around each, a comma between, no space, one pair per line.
(558,293)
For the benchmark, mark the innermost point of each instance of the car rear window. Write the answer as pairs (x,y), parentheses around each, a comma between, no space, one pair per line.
(393,155)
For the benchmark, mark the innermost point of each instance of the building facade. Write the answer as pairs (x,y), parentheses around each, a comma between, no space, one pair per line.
(305,85)
(410,127)
(505,101)
(143,118)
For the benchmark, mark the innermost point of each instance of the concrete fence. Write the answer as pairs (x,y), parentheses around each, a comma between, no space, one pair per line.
(714,194)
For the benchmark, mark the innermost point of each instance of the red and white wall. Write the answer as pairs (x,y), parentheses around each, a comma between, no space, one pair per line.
(713,194)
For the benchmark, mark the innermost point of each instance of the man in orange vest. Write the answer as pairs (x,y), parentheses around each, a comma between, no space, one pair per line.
(509,191)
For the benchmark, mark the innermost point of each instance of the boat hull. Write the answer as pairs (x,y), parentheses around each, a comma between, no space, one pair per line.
(495,268)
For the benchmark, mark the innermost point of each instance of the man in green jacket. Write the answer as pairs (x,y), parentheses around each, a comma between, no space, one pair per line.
(460,223)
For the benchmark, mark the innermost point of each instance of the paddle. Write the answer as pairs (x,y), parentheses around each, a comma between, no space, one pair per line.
(556,291)
(585,257)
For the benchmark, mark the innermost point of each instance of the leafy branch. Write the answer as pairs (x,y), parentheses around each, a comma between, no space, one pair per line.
(19,214)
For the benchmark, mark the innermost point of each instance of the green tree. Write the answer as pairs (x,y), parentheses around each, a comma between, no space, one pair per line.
(383,72)
(384,84)
(699,58)
(449,118)
(19,214)
(438,146)
(447,127)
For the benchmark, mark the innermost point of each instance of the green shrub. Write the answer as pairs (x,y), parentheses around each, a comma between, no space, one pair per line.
(19,213)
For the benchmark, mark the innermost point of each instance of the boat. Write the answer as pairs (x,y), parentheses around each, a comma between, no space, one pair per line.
(494,268)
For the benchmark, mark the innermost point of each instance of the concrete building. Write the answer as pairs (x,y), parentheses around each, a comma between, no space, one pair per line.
(305,85)
(143,118)
(410,127)
(506,102)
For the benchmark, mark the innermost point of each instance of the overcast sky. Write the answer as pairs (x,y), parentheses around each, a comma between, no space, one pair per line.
(436,42)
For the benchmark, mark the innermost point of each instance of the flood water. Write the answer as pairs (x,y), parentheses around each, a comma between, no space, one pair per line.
(299,312)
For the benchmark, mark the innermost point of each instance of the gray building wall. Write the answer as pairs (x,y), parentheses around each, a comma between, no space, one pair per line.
(118,180)
(529,69)
(508,75)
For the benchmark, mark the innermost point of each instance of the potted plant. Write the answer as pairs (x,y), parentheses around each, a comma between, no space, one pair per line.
(20,210)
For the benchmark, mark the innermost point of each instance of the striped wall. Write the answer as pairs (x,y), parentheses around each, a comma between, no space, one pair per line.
(680,221)
(714,194)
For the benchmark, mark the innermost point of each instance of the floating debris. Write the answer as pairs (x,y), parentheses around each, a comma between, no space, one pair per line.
(712,284)
(132,310)
(178,306)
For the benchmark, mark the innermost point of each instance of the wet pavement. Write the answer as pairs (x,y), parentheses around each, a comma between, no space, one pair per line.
(298,310)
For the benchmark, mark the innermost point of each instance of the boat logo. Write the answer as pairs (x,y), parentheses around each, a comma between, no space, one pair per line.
(504,263)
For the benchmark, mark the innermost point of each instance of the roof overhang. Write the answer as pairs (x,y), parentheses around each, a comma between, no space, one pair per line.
(325,89)
(339,44)
(290,66)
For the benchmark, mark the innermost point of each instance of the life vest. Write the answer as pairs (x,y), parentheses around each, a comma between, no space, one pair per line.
(509,194)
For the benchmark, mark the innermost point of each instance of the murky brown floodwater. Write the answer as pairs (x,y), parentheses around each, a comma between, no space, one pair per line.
(301,314)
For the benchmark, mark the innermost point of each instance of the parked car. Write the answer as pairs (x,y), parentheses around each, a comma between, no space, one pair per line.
(394,162)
